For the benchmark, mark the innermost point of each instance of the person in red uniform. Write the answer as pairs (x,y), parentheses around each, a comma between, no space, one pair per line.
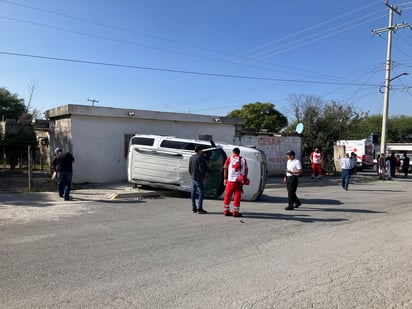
(316,157)
(234,167)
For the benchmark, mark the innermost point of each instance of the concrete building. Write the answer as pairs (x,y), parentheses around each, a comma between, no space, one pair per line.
(98,136)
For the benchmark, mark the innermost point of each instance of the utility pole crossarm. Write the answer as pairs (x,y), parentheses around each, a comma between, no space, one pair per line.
(393,8)
(93,101)
(393,28)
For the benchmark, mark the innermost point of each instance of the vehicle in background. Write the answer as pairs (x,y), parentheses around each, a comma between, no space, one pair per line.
(364,150)
(163,161)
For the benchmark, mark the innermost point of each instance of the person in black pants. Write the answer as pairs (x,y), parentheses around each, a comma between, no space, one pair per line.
(63,165)
(197,171)
(293,170)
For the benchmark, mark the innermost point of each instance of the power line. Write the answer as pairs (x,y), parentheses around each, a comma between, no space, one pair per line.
(290,44)
(181,71)
(312,38)
(306,30)
(169,50)
(96,23)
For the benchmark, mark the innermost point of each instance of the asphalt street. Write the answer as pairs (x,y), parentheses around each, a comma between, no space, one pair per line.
(340,249)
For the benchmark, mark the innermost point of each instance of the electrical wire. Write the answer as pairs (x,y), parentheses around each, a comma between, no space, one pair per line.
(178,71)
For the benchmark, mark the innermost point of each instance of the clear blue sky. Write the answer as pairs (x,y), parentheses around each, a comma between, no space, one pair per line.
(203,57)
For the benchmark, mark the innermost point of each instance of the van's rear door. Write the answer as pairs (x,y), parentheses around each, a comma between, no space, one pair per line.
(215,158)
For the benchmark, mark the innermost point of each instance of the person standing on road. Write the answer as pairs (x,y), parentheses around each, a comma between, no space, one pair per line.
(392,164)
(347,165)
(234,167)
(63,166)
(354,159)
(382,166)
(405,165)
(293,170)
(398,165)
(316,158)
(197,171)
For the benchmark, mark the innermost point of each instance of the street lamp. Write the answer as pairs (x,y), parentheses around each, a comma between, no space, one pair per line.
(380,89)
(385,108)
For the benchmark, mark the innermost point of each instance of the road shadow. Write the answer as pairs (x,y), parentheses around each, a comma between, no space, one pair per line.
(27,199)
(284,200)
(39,200)
(295,217)
(371,190)
(120,201)
(343,209)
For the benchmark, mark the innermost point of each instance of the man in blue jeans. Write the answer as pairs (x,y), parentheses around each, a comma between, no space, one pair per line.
(197,170)
(347,165)
(63,165)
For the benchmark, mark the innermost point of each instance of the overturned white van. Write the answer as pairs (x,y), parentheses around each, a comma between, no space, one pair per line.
(162,162)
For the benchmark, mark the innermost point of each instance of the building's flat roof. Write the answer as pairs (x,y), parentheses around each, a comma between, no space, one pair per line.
(99,111)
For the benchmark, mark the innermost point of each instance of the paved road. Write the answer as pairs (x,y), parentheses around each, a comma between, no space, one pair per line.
(342,249)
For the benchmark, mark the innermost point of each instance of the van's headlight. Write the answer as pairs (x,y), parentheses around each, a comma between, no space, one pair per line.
(259,157)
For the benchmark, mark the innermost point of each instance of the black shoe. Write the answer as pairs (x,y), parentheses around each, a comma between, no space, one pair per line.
(228,214)
(61,196)
(69,199)
(297,204)
(194,210)
(289,208)
(201,211)
(237,214)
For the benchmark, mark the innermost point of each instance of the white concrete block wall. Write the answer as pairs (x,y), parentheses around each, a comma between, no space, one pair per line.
(275,148)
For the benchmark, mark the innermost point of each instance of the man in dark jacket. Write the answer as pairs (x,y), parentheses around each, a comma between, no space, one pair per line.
(392,164)
(197,170)
(63,165)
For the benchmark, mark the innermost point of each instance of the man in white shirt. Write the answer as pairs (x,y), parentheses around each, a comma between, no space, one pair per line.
(293,170)
(347,165)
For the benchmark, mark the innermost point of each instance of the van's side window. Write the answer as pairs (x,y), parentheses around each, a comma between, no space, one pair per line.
(177,145)
(145,141)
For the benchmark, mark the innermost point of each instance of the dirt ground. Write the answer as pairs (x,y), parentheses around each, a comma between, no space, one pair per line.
(17,181)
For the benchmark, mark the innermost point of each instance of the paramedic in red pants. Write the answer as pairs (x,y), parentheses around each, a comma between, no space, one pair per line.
(316,158)
(233,167)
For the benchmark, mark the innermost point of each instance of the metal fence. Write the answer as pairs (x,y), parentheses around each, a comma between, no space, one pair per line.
(28,175)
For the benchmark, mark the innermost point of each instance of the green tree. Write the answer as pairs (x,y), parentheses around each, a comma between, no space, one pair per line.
(325,122)
(16,144)
(399,129)
(261,116)
(11,106)
(15,141)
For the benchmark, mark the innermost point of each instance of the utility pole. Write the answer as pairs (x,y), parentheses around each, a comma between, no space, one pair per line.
(93,101)
(388,80)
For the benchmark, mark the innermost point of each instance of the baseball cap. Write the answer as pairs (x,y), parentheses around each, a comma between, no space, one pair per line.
(290,153)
